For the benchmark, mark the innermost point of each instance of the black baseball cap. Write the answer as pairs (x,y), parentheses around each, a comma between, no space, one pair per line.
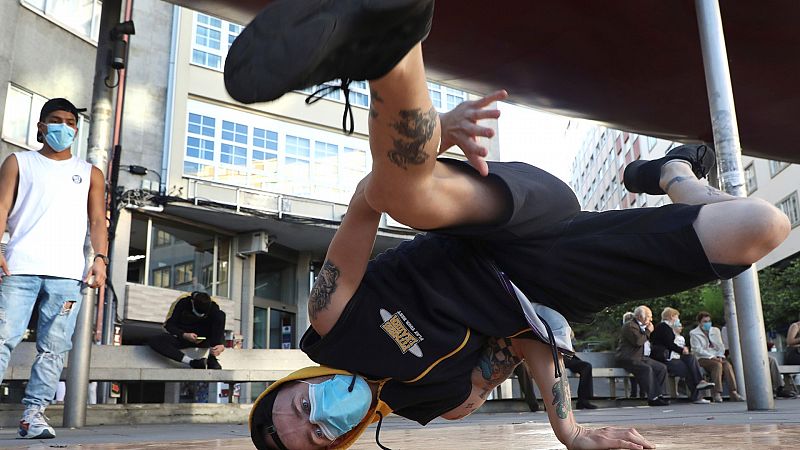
(59,104)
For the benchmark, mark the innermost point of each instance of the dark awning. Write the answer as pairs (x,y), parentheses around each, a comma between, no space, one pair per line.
(634,65)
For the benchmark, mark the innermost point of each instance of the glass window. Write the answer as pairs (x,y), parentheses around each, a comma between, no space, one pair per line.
(245,152)
(435,91)
(445,98)
(82,17)
(281,329)
(791,208)
(184,273)
(161,278)
(180,257)
(776,167)
(21,116)
(260,328)
(213,38)
(750,178)
(163,238)
(326,164)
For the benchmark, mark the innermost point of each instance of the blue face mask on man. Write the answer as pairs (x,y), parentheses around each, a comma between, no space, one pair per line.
(706,326)
(59,136)
(339,404)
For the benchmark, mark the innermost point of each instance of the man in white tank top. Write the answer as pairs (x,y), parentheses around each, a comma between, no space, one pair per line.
(47,199)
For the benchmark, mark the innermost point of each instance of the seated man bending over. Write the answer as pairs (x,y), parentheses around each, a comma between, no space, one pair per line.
(409,331)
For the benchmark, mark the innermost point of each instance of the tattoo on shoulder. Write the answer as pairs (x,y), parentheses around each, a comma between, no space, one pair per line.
(677,179)
(497,362)
(374,98)
(562,399)
(416,130)
(324,287)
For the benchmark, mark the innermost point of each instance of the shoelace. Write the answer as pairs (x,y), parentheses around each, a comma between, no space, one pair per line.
(326,89)
(702,168)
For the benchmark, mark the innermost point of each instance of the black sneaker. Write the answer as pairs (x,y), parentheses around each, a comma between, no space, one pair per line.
(294,44)
(199,363)
(585,405)
(643,176)
(212,363)
(660,401)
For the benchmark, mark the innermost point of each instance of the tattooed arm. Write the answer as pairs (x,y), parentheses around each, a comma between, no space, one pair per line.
(345,263)
(496,364)
(556,396)
(408,182)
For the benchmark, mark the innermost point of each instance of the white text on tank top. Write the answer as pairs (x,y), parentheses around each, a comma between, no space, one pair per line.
(49,219)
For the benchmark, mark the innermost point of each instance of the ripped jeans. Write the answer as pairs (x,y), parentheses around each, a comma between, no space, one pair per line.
(58,312)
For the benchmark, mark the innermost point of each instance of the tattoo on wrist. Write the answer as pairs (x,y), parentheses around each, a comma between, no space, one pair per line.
(416,130)
(324,287)
(677,179)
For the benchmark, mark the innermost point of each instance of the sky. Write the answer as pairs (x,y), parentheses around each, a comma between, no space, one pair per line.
(536,138)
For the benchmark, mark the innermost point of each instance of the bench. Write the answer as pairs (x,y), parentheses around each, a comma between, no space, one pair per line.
(141,363)
(788,371)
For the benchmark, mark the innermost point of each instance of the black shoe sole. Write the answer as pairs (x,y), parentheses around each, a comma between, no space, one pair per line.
(643,176)
(295,44)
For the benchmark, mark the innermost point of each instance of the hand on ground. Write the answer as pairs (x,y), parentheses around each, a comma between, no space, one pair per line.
(609,438)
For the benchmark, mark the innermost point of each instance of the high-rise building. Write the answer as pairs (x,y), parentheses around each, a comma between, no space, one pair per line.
(600,162)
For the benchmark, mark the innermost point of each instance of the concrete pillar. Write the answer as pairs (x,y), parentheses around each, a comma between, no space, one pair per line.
(303,287)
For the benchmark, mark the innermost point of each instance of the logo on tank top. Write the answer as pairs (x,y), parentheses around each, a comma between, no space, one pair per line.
(402,332)
(77,179)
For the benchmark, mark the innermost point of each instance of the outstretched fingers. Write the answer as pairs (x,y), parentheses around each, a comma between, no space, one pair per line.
(610,438)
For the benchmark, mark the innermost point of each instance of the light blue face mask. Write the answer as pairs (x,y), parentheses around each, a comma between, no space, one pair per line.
(677,324)
(59,136)
(339,404)
(707,326)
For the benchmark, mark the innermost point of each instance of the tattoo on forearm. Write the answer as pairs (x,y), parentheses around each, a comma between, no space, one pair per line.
(416,130)
(324,287)
(562,399)
(714,192)
(374,98)
(677,179)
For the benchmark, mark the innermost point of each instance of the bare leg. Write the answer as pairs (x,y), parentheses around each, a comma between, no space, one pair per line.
(407,181)
(732,230)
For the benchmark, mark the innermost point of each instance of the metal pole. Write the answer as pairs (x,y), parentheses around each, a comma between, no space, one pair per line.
(729,153)
(99,143)
(732,326)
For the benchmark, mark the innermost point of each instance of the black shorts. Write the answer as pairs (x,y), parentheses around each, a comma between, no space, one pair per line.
(579,262)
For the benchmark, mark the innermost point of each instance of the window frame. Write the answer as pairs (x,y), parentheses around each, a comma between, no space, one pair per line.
(750,178)
(791,200)
(80,146)
(94,34)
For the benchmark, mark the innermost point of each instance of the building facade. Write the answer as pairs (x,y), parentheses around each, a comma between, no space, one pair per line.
(777,182)
(239,201)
